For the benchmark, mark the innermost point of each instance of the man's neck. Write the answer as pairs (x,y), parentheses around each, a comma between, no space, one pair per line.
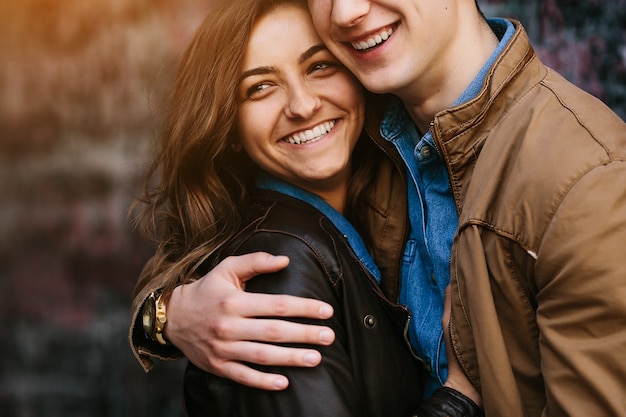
(440,88)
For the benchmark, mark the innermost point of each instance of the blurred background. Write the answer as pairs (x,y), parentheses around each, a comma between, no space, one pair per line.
(82,88)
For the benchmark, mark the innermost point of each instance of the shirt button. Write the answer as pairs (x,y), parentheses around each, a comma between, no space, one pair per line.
(369,321)
(426,151)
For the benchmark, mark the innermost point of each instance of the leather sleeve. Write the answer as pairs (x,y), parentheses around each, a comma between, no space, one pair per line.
(144,349)
(447,402)
(326,390)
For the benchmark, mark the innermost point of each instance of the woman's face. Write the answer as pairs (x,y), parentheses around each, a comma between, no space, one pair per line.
(300,111)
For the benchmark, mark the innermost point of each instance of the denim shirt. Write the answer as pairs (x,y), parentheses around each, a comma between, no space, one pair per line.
(433,223)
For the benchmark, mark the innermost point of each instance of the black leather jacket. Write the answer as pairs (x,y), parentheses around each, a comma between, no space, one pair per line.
(367,371)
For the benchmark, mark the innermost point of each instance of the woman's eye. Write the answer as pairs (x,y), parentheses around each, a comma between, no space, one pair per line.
(321,66)
(325,68)
(256,90)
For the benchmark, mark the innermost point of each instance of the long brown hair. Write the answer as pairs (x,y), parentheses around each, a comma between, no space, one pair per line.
(198,186)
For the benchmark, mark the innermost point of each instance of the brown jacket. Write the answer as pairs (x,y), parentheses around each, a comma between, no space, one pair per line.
(538,173)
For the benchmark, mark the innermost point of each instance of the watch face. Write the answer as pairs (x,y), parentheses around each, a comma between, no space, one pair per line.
(148,314)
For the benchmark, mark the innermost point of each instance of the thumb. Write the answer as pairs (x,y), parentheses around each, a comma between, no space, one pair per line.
(245,267)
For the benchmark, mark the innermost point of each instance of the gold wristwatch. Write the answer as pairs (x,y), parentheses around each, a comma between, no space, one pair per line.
(154,317)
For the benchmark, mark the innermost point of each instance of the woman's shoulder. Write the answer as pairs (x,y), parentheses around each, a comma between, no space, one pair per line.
(284,225)
(271,211)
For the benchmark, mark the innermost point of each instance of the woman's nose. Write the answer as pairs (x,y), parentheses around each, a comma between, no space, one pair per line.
(302,103)
(347,13)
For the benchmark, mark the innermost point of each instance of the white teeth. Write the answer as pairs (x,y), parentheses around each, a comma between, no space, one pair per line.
(373,41)
(311,135)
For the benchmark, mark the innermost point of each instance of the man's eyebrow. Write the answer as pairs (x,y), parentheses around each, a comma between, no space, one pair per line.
(271,69)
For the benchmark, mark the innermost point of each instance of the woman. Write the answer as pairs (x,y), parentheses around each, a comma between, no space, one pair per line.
(260,152)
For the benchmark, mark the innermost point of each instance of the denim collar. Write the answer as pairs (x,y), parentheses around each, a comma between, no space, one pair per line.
(355,242)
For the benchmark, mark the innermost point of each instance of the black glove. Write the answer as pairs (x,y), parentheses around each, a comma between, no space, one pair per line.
(448,402)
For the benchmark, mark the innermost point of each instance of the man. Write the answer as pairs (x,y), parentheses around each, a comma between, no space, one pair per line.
(511,169)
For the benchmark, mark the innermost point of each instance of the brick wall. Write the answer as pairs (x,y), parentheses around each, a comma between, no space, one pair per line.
(81,90)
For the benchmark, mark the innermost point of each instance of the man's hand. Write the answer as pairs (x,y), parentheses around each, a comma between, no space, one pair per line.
(213,322)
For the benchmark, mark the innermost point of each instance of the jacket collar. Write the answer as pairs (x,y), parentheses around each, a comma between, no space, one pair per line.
(458,132)
(501,88)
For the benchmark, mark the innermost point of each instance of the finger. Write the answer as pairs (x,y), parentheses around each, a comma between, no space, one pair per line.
(244,267)
(248,304)
(245,375)
(272,331)
(272,355)
(264,354)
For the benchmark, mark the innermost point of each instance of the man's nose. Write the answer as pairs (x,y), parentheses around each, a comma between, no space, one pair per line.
(347,13)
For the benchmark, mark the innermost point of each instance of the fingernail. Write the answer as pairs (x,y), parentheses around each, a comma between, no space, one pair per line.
(326,336)
(311,359)
(326,311)
(280,383)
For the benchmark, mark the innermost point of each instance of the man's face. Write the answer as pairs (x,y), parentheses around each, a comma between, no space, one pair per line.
(392,46)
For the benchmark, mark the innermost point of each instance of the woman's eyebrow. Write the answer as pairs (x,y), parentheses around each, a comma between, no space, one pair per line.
(258,71)
(311,51)
(271,69)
